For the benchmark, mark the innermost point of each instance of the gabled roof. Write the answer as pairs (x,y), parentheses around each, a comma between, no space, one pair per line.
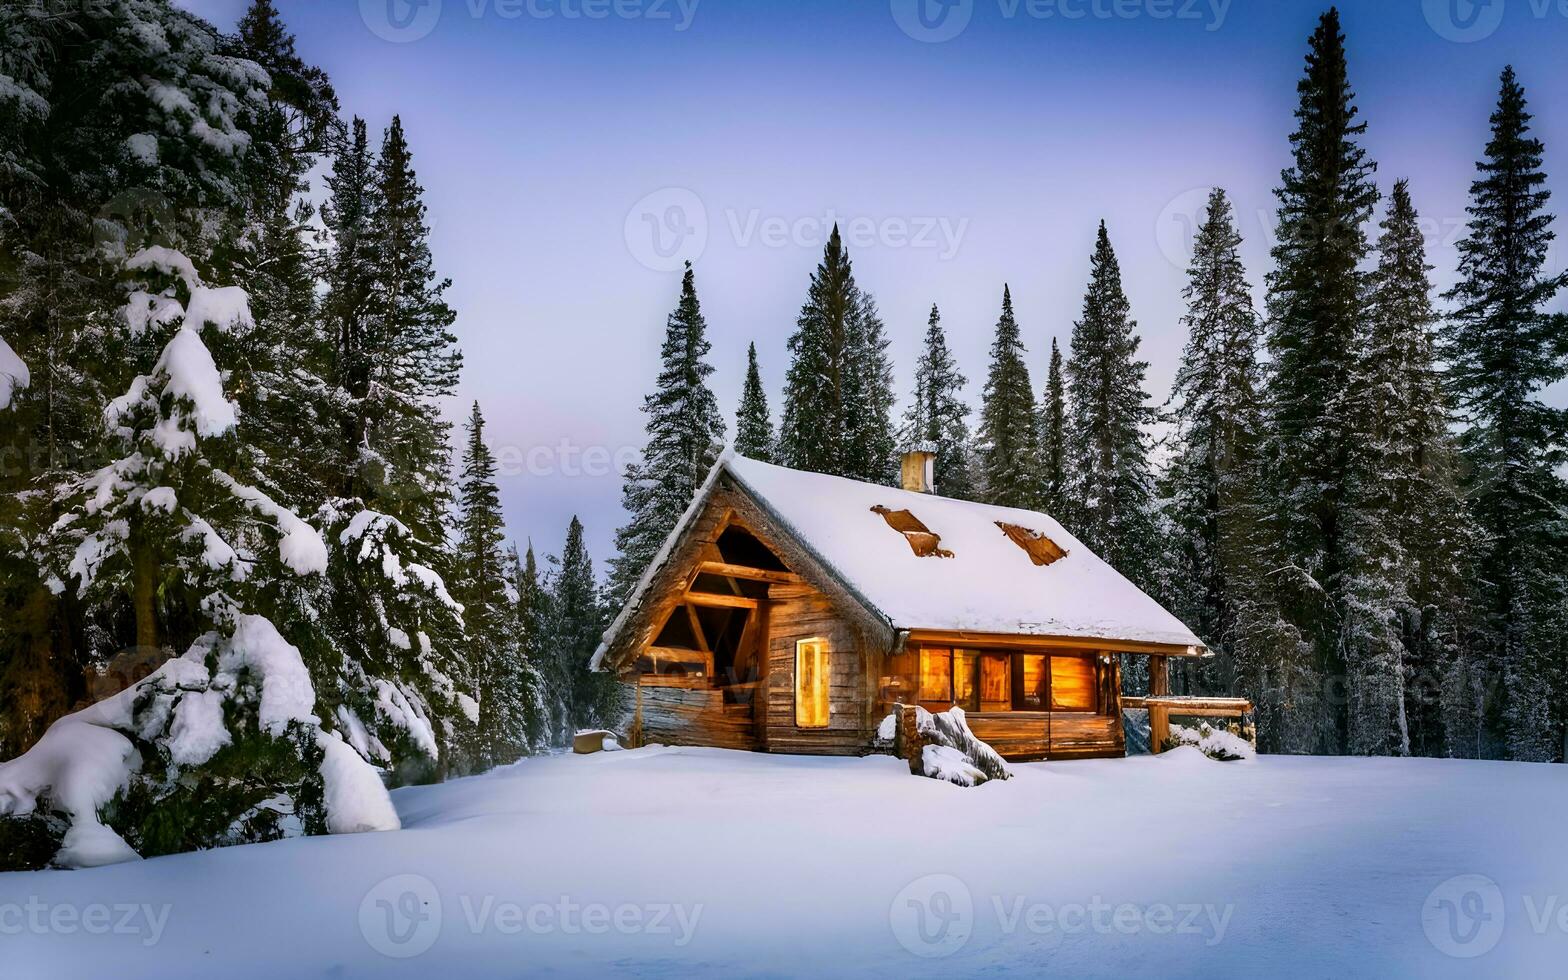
(989,585)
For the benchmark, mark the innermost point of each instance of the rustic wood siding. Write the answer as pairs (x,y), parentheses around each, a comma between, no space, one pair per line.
(694,716)
(801,613)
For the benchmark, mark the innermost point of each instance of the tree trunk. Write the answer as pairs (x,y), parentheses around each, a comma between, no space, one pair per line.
(144,589)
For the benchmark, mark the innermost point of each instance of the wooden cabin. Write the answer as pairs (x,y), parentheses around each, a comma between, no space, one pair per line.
(791,611)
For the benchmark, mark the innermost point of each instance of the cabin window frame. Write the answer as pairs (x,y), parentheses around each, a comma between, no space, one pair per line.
(823,683)
(965,684)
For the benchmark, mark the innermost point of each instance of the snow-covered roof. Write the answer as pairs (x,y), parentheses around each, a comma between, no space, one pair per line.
(988,585)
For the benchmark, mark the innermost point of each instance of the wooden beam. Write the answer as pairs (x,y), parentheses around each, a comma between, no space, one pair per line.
(1023,641)
(747,572)
(719,601)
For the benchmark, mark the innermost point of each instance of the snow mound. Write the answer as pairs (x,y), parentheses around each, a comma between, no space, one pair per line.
(85,761)
(1216,743)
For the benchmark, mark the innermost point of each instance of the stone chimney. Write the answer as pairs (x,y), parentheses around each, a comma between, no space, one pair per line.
(916,471)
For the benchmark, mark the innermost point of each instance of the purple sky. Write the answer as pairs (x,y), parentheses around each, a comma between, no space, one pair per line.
(574,150)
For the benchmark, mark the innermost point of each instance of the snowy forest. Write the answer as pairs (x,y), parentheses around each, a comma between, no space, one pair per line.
(224,351)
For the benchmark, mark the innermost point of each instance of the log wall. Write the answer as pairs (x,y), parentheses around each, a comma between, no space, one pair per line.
(802,613)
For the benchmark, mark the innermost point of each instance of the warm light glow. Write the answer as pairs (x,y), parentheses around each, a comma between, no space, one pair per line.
(811,683)
(936,674)
(1072,683)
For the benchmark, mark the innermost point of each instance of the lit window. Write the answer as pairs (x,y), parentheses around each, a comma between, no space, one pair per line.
(936,675)
(1072,683)
(811,683)
(1031,696)
(996,682)
(964,679)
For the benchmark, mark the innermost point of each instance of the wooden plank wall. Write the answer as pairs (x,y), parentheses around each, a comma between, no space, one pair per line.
(694,716)
(800,613)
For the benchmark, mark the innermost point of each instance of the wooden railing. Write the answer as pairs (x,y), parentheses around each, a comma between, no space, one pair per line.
(1162,707)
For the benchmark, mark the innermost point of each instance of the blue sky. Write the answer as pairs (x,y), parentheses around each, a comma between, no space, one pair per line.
(573,151)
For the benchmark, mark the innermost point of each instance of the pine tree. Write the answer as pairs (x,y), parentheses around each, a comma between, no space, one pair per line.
(1210,487)
(529,612)
(1503,348)
(1112,488)
(1009,437)
(838,392)
(576,621)
(937,415)
(1316,298)
(414,358)
(489,615)
(1053,438)
(753,425)
(685,436)
(1409,529)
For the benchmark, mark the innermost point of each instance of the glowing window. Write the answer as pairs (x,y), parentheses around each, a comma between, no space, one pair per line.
(811,683)
(996,682)
(936,674)
(1072,683)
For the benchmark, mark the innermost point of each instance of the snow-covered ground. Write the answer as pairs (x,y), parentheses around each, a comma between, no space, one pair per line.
(704,863)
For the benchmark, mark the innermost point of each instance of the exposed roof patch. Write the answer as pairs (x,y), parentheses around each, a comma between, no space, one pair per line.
(922,540)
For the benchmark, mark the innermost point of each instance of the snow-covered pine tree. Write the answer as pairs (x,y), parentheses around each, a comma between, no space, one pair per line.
(1409,531)
(869,444)
(1316,299)
(1210,485)
(685,436)
(1009,435)
(414,356)
(1053,438)
(269,245)
(838,393)
(576,619)
(1503,347)
(349,276)
(528,610)
(937,416)
(1112,487)
(753,425)
(242,748)
(489,614)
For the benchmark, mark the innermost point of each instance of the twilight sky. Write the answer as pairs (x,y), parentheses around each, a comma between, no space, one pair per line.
(573,151)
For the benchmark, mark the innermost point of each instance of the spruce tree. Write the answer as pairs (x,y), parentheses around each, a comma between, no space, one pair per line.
(937,417)
(489,616)
(1009,437)
(1316,299)
(753,425)
(529,611)
(1408,530)
(413,354)
(1053,438)
(1503,347)
(577,618)
(838,392)
(1210,487)
(1112,487)
(685,436)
